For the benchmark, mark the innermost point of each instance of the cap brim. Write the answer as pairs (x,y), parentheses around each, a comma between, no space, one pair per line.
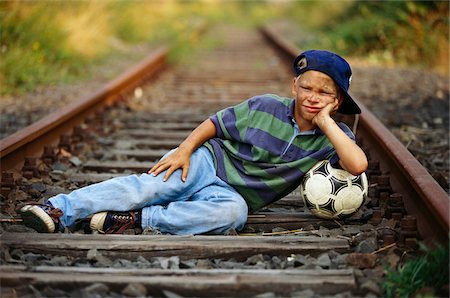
(348,106)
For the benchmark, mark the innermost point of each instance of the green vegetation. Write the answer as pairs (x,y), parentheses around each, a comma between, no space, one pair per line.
(49,42)
(428,273)
(53,42)
(407,32)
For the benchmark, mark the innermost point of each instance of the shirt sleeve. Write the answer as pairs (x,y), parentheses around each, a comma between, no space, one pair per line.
(231,123)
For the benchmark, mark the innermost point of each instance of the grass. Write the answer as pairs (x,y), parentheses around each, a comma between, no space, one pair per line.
(393,32)
(424,276)
(54,42)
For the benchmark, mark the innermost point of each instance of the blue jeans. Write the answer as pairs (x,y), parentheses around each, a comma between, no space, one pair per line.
(202,204)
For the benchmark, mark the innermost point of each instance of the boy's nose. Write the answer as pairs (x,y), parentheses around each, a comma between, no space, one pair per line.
(313,97)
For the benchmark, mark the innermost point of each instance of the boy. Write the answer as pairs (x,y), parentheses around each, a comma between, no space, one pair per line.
(242,158)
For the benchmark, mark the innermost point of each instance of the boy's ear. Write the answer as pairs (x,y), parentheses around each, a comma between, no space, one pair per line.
(294,87)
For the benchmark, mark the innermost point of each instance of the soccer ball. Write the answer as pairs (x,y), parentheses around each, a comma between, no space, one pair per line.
(333,193)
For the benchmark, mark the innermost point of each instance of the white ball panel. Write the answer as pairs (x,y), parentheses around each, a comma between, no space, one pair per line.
(318,189)
(350,197)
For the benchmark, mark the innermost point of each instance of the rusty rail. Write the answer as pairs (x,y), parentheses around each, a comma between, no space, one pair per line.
(426,200)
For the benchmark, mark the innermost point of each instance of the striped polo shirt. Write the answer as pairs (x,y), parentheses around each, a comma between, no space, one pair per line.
(260,151)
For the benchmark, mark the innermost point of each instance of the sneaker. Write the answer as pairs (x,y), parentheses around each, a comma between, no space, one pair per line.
(44,218)
(115,222)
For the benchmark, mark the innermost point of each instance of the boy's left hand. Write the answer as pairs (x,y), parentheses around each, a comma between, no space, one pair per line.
(325,114)
(179,159)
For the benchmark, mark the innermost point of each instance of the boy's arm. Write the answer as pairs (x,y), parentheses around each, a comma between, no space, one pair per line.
(351,157)
(180,158)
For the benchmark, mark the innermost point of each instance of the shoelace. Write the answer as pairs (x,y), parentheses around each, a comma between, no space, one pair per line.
(121,223)
(54,213)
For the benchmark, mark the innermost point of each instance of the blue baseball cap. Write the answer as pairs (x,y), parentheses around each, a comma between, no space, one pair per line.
(335,67)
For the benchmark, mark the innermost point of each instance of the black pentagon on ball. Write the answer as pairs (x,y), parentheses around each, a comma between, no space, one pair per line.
(358,181)
(322,170)
(329,205)
(308,203)
(337,185)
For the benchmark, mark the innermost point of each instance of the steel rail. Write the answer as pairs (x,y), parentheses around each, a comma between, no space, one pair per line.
(30,141)
(426,199)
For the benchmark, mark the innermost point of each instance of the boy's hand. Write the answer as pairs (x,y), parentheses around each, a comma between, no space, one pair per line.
(325,114)
(178,159)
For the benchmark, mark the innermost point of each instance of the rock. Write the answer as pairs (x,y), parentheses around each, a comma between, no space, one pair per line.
(367,245)
(54,190)
(59,261)
(366,227)
(74,160)
(135,290)
(362,260)
(297,260)
(96,256)
(392,260)
(323,232)
(19,229)
(187,264)
(204,264)
(40,187)
(340,261)
(96,290)
(303,294)
(16,254)
(34,193)
(54,292)
(58,174)
(142,262)
(351,230)
(277,263)
(374,273)
(151,231)
(371,286)
(253,260)
(18,195)
(122,263)
(169,263)
(60,167)
(33,259)
(324,260)
(170,294)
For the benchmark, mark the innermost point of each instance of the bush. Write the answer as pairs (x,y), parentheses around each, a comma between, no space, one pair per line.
(31,46)
(52,42)
(411,32)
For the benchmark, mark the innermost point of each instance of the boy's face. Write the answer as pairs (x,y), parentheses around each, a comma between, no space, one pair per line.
(312,91)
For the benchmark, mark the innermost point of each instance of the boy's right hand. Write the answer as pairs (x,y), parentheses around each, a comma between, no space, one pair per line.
(179,159)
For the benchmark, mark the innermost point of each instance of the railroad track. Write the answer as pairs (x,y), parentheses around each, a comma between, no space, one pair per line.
(129,124)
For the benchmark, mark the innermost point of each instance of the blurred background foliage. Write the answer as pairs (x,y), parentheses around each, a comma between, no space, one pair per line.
(405,32)
(52,42)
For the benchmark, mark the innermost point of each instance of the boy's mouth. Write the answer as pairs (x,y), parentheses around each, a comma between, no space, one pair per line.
(310,109)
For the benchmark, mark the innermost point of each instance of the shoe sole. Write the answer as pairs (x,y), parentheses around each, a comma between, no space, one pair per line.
(36,218)
(97,222)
